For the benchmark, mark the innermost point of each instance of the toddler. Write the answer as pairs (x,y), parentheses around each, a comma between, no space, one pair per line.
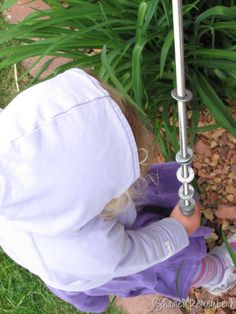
(77,210)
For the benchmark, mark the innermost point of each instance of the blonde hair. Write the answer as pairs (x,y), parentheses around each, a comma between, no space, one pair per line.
(147,148)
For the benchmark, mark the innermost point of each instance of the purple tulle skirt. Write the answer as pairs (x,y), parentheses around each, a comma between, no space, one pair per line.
(160,199)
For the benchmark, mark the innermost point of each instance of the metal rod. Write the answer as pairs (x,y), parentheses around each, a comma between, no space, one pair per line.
(179,44)
(182,96)
(180,76)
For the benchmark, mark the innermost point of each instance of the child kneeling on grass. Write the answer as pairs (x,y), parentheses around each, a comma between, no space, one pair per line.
(77,210)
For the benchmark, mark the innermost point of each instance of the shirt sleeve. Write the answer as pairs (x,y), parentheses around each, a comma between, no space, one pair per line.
(112,251)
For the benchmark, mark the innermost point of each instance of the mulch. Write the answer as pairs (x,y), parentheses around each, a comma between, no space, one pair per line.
(214,164)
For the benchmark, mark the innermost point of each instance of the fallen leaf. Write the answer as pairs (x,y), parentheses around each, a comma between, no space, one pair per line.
(225,225)
(203,149)
(217,133)
(233,168)
(232,292)
(213,144)
(208,214)
(209,311)
(230,197)
(224,151)
(230,190)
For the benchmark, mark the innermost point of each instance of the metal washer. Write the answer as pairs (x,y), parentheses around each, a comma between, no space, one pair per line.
(187,210)
(190,192)
(189,178)
(188,95)
(184,161)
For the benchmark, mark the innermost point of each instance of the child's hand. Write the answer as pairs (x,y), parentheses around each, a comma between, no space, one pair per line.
(190,223)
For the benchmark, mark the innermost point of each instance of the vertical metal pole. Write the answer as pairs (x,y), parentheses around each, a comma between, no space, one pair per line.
(185,173)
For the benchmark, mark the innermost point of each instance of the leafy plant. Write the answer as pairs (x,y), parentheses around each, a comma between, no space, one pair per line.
(134,52)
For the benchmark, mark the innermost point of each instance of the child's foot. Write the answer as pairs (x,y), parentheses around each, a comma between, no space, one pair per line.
(229,279)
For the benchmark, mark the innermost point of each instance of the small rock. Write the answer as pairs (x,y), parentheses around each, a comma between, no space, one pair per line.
(145,304)
(225,211)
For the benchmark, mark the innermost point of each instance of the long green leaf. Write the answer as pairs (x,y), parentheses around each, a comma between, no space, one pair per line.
(7,4)
(222,11)
(165,50)
(117,83)
(217,54)
(137,54)
(215,105)
(213,64)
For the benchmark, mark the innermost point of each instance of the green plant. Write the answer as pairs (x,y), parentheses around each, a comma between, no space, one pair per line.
(137,56)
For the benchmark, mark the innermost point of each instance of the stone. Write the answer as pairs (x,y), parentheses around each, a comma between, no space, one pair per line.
(225,211)
(147,304)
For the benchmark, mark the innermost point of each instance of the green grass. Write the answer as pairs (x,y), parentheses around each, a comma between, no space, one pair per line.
(7,86)
(24,293)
